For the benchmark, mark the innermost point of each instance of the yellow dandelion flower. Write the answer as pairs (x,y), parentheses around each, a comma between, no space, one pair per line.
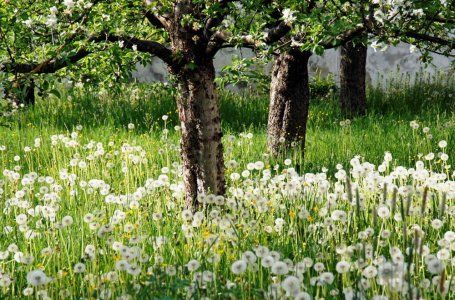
(292,214)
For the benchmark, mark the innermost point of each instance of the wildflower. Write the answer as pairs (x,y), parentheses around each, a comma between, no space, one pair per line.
(443,254)
(267,261)
(280,268)
(193,265)
(238,267)
(442,144)
(326,277)
(449,236)
(414,124)
(291,285)
(319,267)
(4,255)
(386,271)
(436,224)
(67,221)
(21,219)
(133,269)
(249,257)
(383,212)
(302,296)
(370,272)
(27,291)
(5,281)
(259,165)
(230,285)
(343,267)
(79,268)
(261,251)
(37,278)
(171,270)
(429,156)
(435,266)
(121,265)
(51,20)
(208,276)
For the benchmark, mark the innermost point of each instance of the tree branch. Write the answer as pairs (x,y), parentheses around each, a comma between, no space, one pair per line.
(276,33)
(344,38)
(151,47)
(52,65)
(155,20)
(440,19)
(215,21)
(46,67)
(431,39)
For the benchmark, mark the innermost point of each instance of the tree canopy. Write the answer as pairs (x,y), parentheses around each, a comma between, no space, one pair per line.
(105,39)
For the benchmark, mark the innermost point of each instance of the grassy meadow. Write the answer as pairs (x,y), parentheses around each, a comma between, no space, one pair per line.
(92,200)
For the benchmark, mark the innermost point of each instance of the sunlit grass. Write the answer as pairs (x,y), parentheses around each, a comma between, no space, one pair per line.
(98,209)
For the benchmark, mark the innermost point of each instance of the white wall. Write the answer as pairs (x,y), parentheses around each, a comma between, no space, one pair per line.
(380,65)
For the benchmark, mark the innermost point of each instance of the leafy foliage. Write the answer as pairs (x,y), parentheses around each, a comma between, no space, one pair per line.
(92,41)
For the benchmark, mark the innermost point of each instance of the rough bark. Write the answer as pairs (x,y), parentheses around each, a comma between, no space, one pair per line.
(199,114)
(352,79)
(201,147)
(289,101)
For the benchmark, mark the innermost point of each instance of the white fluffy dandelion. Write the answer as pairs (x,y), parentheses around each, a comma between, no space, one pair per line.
(238,267)
(37,278)
(280,268)
(193,265)
(79,268)
(291,285)
(343,267)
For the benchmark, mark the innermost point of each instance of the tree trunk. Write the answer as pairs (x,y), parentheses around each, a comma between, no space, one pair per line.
(201,147)
(289,101)
(352,79)
(198,107)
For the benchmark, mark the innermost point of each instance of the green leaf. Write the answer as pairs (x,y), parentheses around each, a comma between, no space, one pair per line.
(55,93)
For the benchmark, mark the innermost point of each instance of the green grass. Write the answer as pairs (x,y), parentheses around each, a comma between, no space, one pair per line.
(291,213)
(429,100)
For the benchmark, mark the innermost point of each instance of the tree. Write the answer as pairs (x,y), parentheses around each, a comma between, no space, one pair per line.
(104,39)
(292,31)
(288,27)
(353,95)
(353,26)
(289,101)
(182,33)
(427,24)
